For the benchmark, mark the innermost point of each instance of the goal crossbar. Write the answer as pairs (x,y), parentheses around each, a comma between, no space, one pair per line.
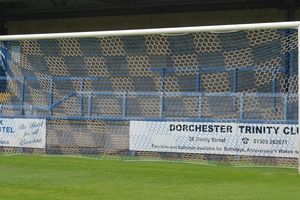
(136,32)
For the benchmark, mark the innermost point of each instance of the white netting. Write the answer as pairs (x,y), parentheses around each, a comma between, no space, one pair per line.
(91,90)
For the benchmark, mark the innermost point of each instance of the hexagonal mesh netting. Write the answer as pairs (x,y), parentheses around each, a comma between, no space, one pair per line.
(213,97)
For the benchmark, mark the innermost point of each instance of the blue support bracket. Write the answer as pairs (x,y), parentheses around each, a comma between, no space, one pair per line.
(31,110)
(124,105)
(51,92)
(200,102)
(242,113)
(162,93)
(234,81)
(198,80)
(274,90)
(3,59)
(81,97)
(90,104)
(65,98)
(198,90)
(161,105)
(22,99)
(285,107)
(3,69)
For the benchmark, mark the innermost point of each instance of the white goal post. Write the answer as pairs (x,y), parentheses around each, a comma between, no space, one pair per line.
(154,31)
(298,90)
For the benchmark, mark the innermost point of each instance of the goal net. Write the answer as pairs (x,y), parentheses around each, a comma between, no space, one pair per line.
(215,94)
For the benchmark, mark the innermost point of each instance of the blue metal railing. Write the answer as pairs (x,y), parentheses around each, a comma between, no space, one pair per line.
(89,109)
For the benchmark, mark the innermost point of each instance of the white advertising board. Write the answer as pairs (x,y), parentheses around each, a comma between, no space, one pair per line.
(272,140)
(17,132)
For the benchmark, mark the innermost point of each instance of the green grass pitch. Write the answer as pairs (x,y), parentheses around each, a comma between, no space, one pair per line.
(29,177)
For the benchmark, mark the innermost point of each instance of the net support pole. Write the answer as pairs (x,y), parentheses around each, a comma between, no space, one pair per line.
(298,97)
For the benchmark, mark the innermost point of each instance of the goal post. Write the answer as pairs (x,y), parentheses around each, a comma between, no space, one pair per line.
(221,94)
(298,94)
(154,31)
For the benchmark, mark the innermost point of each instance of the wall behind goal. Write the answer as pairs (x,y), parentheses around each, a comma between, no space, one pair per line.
(149,21)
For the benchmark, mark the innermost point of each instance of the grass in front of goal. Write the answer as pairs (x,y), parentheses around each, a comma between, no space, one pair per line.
(30,177)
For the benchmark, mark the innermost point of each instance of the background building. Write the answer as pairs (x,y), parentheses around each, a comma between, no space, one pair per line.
(37,16)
